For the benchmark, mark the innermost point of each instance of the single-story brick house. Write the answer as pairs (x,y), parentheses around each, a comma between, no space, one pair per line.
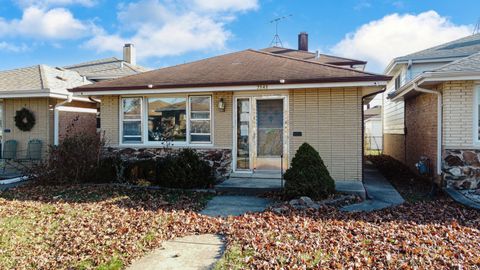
(42,90)
(250,110)
(441,114)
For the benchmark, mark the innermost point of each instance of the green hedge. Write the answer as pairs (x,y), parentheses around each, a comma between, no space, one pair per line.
(184,169)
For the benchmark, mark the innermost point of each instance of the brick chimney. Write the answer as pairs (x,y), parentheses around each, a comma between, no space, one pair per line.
(303,41)
(129,54)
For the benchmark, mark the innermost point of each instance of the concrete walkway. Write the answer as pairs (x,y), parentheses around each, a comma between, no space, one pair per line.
(460,198)
(380,193)
(11,185)
(190,252)
(234,205)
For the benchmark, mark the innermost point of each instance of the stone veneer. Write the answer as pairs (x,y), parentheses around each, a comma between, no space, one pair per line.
(462,168)
(219,159)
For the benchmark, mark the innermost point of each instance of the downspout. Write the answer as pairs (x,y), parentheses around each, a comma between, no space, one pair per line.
(439,124)
(56,121)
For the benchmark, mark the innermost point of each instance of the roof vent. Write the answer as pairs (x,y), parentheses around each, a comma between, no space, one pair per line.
(303,41)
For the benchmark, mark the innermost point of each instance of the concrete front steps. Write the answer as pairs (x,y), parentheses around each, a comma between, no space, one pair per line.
(250,183)
(262,182)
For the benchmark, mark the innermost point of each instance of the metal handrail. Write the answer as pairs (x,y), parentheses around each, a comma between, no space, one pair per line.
(281,169)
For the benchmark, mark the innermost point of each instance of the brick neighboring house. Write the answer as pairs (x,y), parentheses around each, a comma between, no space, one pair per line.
(441,112)
(247,111)
(42,90)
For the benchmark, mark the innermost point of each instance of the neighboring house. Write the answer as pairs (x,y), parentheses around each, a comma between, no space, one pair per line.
(246,111)
(440,101)
(110,68)
(42,90)
(373,129)
(406,68)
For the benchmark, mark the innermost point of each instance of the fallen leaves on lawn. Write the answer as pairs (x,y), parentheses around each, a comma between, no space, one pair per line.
(87,226)
(430,235)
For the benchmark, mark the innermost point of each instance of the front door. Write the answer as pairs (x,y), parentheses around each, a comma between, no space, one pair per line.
(269,134)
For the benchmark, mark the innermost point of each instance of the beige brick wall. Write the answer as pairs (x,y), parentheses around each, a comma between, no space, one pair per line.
(109,121)
(222,121)
(331,121)
(41,130)
(458,98)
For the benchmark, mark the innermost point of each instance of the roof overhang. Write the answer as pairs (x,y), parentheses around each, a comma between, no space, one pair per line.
(395,62)
(432,78)
(40,93)
(263,87)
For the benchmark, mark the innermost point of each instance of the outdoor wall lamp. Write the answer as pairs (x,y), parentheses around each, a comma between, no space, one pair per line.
(221,105)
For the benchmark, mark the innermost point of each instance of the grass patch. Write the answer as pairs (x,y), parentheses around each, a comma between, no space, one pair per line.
(234,258)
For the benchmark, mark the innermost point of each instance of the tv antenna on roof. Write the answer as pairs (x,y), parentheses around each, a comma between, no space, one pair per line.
(476,30)
(276,41)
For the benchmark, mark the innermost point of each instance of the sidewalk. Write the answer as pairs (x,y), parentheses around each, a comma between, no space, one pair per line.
(380,193)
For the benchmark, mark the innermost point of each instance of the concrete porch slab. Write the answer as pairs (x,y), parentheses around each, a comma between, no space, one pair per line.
(250,186)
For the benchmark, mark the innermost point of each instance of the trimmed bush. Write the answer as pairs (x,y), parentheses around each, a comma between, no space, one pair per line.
(308,175)
(184,170)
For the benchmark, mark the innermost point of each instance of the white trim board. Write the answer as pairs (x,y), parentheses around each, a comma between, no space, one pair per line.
(76,109)
(148,91)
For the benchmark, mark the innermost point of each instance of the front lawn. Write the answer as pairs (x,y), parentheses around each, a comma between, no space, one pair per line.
(428,235)
(92,226)
(106,227)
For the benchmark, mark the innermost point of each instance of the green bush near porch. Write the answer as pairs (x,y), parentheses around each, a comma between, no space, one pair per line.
(308,175)
(184,170)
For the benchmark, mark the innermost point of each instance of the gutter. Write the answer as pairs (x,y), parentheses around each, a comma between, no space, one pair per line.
(439,123)
(56,118)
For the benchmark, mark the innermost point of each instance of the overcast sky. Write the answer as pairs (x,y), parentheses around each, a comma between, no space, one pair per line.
(169,32)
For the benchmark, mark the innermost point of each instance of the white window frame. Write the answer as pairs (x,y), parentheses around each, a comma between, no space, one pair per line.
(161,143)
(144,120)
(475,124)
(122,120)
(189,119)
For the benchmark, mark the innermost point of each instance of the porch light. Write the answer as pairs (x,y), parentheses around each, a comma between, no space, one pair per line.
(221,105)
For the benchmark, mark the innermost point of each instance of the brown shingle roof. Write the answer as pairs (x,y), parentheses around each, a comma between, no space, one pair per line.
(248,67)
(323,58)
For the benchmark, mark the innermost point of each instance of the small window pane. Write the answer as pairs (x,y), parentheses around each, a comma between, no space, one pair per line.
(200,138)
(132,131)
(132,108)
(167,119)
(200,115)
(200,104)
(202,126)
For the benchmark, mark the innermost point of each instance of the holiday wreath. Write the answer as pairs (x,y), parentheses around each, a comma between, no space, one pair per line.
(24,120)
